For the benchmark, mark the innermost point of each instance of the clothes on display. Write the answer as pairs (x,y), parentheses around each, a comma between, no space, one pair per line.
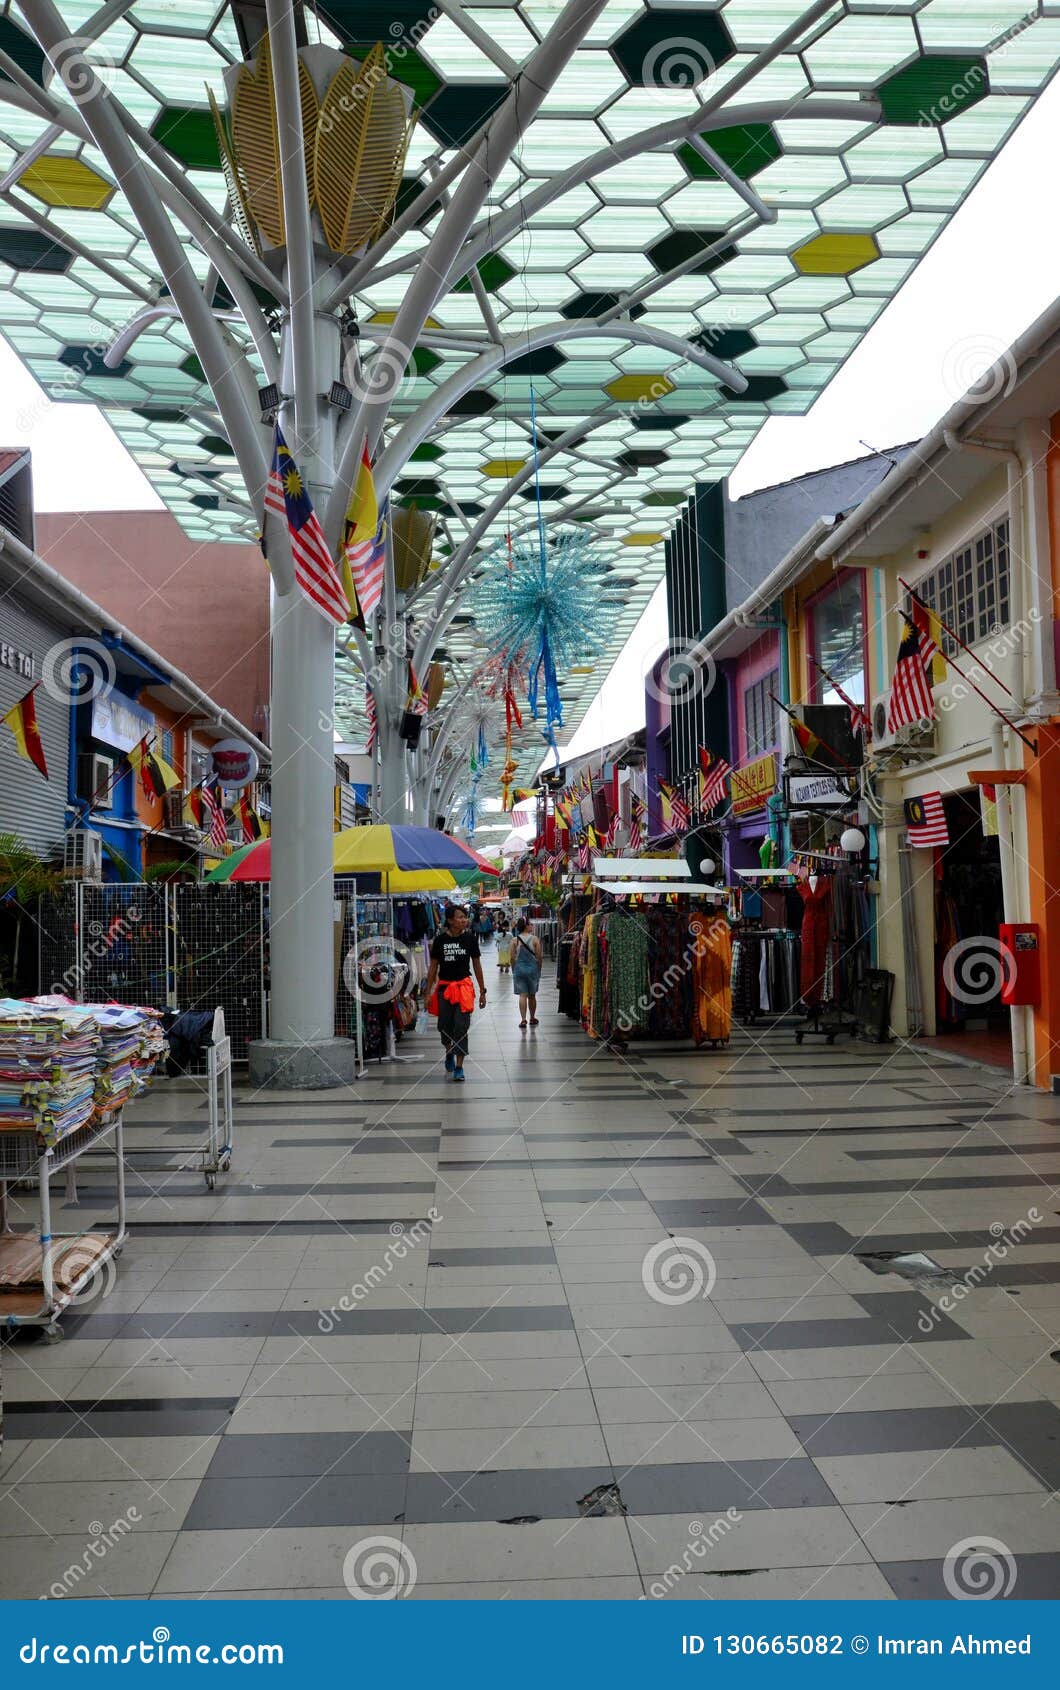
(650,971)
(711,978)
(385,953)
(814,983)
(765,972)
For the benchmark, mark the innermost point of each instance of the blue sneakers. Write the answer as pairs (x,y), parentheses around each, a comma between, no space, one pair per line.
(458,1074)
(450,1062)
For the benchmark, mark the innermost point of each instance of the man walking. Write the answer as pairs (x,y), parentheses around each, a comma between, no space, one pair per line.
(454,953)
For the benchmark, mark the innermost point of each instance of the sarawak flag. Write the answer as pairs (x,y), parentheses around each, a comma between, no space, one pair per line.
(363,514)
(929,630)
(249,820)
(193,808)
(157,777)
(22,720)
(815,750)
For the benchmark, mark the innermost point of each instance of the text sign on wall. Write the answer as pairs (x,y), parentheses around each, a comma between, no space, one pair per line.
(19,662)
(752,786)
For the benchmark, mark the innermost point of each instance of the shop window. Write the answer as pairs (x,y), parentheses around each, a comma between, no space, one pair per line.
(970,589)
(760,714)
(837,640)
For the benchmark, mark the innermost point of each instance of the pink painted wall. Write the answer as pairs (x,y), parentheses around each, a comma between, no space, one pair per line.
(205,607)
(749,667)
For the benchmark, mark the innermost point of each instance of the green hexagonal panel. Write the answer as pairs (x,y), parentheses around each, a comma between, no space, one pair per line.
(933,88)
(746,148)
(188,133)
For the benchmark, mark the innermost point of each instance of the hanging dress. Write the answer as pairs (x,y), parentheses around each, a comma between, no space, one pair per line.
(711,977)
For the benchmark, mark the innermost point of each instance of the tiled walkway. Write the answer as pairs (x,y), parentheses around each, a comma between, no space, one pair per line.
(505,1403)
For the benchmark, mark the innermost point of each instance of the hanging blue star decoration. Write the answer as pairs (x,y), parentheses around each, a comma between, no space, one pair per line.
(542,605)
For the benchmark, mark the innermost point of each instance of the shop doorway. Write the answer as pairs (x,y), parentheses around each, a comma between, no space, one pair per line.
(969,908)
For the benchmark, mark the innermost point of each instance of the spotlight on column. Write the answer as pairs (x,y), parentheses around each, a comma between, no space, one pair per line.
(269,401)
(340,396)
(852,840)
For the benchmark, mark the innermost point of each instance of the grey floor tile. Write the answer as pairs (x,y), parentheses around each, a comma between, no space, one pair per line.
(36,1567)
(516,1493)
(507,1447)
(58,1509)
(308,1454)
(269,1502)
(545,1549)
(923,1530)
(756,1541)
(920,1474)
(288,1558)
(615,1588)
(844,1583)
(1037,1578)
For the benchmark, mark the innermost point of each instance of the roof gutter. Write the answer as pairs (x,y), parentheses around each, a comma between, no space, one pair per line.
(73,599)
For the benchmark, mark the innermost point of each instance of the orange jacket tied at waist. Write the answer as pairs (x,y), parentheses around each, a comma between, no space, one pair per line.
(460,992)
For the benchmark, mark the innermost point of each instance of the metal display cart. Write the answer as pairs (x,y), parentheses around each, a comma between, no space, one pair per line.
(215,1156)
(41,1277)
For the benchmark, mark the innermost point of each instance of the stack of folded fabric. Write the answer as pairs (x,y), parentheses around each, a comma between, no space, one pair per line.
(131,1043)
(48,1062)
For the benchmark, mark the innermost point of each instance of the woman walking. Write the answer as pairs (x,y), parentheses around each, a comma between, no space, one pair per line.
(504,943)
(526,970)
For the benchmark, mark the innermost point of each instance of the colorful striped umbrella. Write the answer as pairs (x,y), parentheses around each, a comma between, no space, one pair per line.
(254,863)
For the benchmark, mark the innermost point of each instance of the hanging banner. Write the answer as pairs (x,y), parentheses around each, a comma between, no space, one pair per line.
(751,786)
(817,792)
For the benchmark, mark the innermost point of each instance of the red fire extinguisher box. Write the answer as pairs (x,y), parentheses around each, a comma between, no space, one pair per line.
(1023,972)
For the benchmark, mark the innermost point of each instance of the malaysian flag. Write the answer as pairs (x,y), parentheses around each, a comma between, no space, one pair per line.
(711,777)
(314,568)
(417,703)
(372,718)
(911,700)
(584,852)
(637,813)
(214,811)
(611,836)
(925,819)
(366,561)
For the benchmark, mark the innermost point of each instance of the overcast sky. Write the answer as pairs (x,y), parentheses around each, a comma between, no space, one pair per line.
(991,273)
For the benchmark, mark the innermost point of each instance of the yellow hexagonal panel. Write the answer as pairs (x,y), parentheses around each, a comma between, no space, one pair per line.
(387,317)
(640,388)
(835,255)
(59,180)
(641,539)
(502,469)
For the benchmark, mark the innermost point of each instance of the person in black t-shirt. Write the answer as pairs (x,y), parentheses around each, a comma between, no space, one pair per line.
(454,953)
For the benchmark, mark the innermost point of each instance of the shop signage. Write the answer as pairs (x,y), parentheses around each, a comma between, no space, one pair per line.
(119,722)
(233,763)
(752,786)
(21,662)
(817,792)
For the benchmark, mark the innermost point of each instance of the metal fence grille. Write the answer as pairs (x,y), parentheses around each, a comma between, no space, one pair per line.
(178,946)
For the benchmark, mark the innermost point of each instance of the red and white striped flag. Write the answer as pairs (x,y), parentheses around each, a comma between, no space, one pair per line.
(372,718)
(637,812)
(314,567)
(911,698)
(213,805)
(367,561)
(925,820)
(712,774)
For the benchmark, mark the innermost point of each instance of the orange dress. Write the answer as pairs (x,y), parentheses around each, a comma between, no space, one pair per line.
(711,977)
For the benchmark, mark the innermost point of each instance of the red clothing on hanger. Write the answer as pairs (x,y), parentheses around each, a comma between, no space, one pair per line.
(816,926)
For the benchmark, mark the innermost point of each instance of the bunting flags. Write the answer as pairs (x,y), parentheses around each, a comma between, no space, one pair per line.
(372,717)
(22,720)
(911,700)
(314,568)
(417,701)
(157,777)
(710,778)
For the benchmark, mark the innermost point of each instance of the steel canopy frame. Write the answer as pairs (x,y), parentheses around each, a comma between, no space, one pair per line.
(297,338)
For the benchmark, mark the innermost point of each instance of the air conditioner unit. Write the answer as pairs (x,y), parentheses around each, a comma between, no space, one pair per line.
(83,856)
(919,738)
(95,778)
